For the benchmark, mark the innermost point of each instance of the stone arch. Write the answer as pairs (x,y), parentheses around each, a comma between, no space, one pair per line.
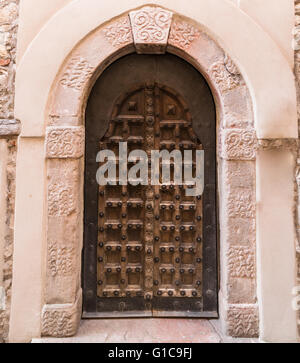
(65,150)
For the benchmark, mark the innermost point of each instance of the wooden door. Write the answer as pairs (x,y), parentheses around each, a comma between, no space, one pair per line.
(150,250)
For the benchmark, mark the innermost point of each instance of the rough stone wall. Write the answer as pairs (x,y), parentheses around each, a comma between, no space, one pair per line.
(8,38)
(297,74)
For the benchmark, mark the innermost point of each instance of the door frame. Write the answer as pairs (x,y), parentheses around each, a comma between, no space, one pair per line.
(237,144)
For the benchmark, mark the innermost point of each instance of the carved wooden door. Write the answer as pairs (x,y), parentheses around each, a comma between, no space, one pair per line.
(150,250)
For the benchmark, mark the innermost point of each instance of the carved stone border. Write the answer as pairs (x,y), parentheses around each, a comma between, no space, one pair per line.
(65,142)
(238,144)
(243,321)
(61,320)
(237,153)
(64,148)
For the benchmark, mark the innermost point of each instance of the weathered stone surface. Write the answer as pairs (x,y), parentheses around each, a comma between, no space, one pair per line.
(9,128)
(119,33)
(65,142)
(154,331)
(63,237)
(243,321)
(8,39)
(239,231)
(61,320)
(183,34)
(297,75)
(77,72)
(9,237)
(240,174)
(241,291)
(225,74)
(60,199)
(241,262)
(238,144)
(241,204)
(63,176)
(238,108)
(278,144)
(241,267)
(151,28)
(2,299)
(60,259)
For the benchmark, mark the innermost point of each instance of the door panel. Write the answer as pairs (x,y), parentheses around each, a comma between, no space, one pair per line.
(150,250)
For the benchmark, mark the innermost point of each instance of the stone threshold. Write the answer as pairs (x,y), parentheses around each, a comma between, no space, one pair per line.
(148,331)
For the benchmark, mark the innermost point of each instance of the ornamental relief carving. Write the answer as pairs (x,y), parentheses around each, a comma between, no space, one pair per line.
(64,142)
(225,74)
(241,204)
(151,27)
(57,324)
(241,262)
(183,34)
(119,33)
(243,322)
(239,144)
(230,66)
(61,320)
(60,259)
(77,73)
(61,199)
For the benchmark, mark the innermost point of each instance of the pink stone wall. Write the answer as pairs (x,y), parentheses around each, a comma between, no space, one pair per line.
(8,39)
(297,74)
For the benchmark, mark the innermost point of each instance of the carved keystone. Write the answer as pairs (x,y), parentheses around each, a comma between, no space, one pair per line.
(151,28)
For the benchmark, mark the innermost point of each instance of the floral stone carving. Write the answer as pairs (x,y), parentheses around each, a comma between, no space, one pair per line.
(65,142)
(61,199)
(183,34)
(239,144)
(60,259)
(61,320)
(119,33)
(225,74)
(151,28)
(241,204)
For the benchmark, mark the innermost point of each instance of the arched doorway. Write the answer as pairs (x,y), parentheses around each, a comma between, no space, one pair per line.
(64,145)
(156,250)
